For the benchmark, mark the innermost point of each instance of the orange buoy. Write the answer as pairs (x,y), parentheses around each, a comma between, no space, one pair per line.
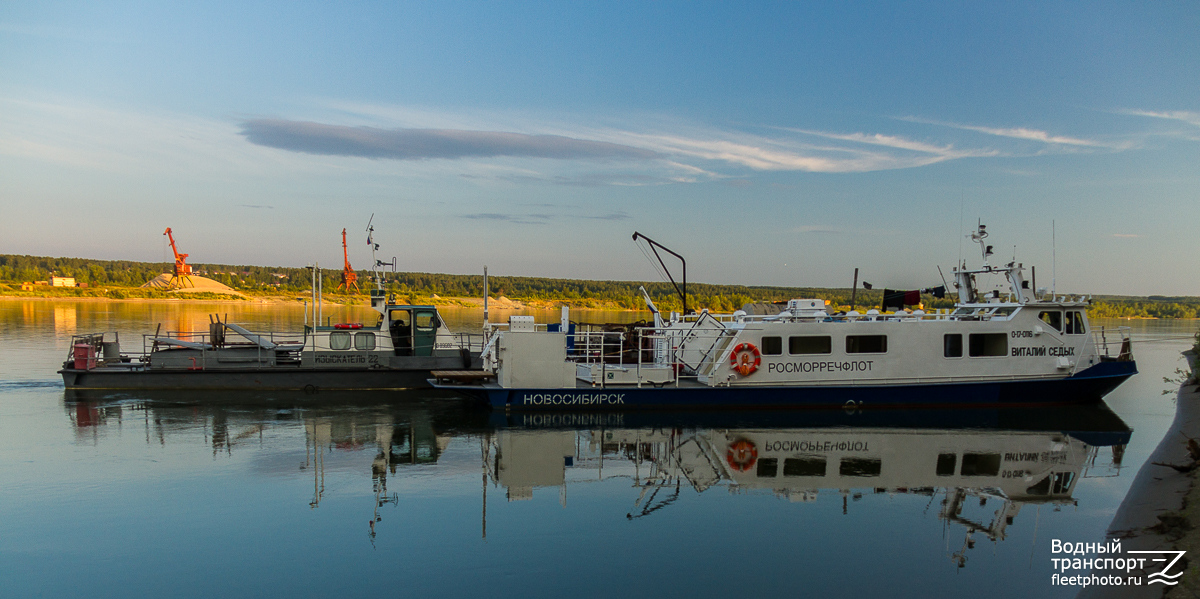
(745,359)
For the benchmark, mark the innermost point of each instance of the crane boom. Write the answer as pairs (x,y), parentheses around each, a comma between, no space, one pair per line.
(349,277)
(181,276)
(182,268)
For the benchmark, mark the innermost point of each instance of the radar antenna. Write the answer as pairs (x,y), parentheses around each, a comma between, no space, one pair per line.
(375,270)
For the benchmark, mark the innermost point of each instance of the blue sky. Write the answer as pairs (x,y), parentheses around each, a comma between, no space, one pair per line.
(771,144)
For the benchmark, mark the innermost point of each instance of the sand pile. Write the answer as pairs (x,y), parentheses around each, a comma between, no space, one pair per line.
(504,302)
(193,284)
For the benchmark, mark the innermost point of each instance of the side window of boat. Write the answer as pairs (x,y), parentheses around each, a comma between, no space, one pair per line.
(866,344)
(1075,324)
(768,467)
(988,345)
(805,466)
(980,464)
(339,340)
(860,467)
(810,344)
(364,341)
(946,463)
(772,346)
(426,320)
(1052,318)
(952,346)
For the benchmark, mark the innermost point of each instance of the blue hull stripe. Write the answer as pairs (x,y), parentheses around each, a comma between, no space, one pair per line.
(1086,386)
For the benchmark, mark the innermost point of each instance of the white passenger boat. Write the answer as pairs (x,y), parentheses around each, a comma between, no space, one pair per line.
(996,346)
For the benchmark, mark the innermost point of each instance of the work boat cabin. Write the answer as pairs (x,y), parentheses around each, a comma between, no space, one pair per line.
(401,330)
(1014,346)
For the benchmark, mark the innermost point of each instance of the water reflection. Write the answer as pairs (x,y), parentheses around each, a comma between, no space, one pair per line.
(65,318)
(977,469)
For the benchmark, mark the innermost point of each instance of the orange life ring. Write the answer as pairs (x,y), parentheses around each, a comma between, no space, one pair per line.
(740,359)
(742,455)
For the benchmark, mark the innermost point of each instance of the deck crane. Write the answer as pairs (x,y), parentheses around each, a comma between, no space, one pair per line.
(349,277)
(181,277)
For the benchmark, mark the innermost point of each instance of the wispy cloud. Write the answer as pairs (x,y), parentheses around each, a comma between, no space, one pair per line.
(543,218)
(1126,235)
(1191,118)
(521,219)
(666,151)
(619,215)
(1024,133)
(487,148)
(819,229)
(424,144)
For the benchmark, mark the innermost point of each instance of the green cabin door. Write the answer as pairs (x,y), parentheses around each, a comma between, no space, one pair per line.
(425,325)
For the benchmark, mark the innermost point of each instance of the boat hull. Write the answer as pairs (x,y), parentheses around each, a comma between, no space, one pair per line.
(1086,386)
(273,378)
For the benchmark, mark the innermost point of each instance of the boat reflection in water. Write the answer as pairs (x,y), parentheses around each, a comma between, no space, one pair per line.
(983,465)
(980,467)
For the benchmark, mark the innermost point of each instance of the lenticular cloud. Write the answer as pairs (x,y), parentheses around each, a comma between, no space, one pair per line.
(424,144)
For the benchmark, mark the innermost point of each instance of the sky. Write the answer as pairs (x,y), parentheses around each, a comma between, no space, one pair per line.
(769,143)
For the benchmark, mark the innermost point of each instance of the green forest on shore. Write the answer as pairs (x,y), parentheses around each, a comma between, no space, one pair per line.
(120,279)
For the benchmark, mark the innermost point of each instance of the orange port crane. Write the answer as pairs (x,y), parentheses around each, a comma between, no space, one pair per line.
(349,277)
(182,275)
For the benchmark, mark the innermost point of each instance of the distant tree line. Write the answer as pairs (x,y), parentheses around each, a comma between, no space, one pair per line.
(622,294)
(1145,308)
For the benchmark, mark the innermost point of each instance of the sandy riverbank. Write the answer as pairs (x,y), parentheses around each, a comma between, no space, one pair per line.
(1162,509)
(147,300)
(497,303)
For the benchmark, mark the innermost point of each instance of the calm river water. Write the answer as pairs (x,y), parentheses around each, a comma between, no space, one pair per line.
(420,493)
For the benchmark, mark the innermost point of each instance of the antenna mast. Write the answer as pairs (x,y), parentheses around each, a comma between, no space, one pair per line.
(1053,259)
(374,248)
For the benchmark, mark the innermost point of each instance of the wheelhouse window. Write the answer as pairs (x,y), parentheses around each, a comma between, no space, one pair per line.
(1074,325)
(1052,318)
(339,340)
(364,341)
(811,344)
(772,346)
(1062,482)
(952,346)
(866,344)
(1057,483)
(988,345)
(426,320)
